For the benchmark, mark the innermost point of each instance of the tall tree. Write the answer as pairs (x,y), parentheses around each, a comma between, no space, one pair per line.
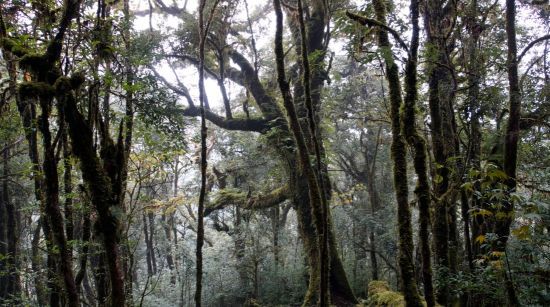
(402,129)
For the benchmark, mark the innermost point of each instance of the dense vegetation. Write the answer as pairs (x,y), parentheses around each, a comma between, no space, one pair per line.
(298,152)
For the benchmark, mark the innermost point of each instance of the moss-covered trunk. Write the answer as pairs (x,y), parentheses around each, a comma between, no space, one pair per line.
(102,180)
(340,290)
(398,154)
(10,288)
(439,23)
(420,160)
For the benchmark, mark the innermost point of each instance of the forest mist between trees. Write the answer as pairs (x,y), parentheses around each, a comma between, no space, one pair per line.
(274,153)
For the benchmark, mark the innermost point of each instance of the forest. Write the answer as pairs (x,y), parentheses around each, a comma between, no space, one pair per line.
(274,153)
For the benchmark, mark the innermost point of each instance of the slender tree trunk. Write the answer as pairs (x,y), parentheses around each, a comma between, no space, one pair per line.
(36,265)
(203,31)
(126,256)
(52,203)
(68,190)
(104,187)
(100,277)
(512,137)
(148,249)
(511,140)
(398,153)
(4,261)
(438,24)
(12,286)
(418,144)
(151,239)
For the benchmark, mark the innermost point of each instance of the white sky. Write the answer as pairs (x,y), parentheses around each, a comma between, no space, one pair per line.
(189,76)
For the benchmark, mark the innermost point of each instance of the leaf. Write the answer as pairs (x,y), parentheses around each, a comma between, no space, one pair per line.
(480,239)
(468,187)
(482,212)
(533,216)
(522,232)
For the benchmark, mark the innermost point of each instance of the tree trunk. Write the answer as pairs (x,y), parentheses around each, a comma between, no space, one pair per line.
(103,181)
(398,154)
(68,190)
(511,140)
(4,262)
(438,24)
(12,286)
(36,265)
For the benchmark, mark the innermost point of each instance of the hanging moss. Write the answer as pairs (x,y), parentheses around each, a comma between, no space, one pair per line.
(35,63)
(62,85)
(77,79)
(35,89)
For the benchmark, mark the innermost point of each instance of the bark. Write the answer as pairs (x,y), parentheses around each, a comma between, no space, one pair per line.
(100,277)
(475,137)
(167,226)
(11,288)
(4,262)
(102,181)
(148,248)
(418,144)
(439,23)
(36,265)
(398,154)
(203,31)
(86,233)
(129,124)
(374,199)
(45,72)
(307,75)
(511,139)
(68,190)
(52,203)
(318,281)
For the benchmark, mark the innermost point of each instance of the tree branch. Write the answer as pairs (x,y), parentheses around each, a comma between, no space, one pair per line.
(250,124)
(531,44)
(192,60)
(375,23)
(178,90)
(230,196)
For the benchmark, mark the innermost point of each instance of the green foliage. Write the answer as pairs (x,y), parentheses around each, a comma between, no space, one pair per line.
(14,46)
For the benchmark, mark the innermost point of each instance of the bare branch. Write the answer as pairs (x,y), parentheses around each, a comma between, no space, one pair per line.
(531,44)
(241,124)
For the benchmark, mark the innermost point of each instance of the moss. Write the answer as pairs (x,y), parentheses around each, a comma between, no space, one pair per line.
(35,89)
(35,63)
(380,294)
(377,286)
(388,298)
(252,303)
(13,47)
(62,85)
(77,79)
(230,196)
(225,198)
